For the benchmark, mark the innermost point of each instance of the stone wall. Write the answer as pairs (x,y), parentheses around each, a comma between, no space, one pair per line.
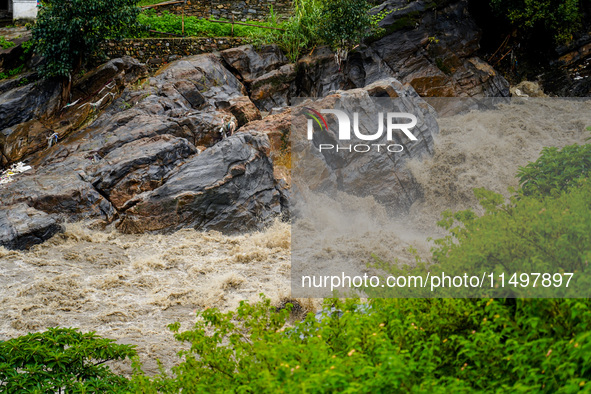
(241,10)
(158,51)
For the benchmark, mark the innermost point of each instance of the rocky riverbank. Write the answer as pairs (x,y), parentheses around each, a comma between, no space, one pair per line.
(144,152)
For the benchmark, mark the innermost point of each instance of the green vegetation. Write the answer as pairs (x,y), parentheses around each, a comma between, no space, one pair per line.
(5,44)
(555,170)
(300,30)
(12,73)
(406,345)
(143,3)
(560,18)
(60,360)
(66,32)
(345,23)
(385,345)
(340,24)
(545,227)
(171,23)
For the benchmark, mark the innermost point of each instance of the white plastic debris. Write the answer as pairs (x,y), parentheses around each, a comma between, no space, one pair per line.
(7,175)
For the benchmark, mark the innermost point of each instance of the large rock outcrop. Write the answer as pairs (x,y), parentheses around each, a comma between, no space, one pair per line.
(265,72)
(28,117)
(22,226)
(229,187)
(378,173)
(155,142)
(430,45)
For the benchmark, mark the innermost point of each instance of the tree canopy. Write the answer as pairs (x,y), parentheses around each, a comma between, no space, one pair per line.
(561,18)
(68,30)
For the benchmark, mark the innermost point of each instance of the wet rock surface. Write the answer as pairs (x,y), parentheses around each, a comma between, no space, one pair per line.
(24,103)
(60,191)
(148,153)
(265,73)
(378,173)
(569,75)
(22,227)
(229,187)
(39,122)
(432,47)
(139,166)
(249,64)
(131,163)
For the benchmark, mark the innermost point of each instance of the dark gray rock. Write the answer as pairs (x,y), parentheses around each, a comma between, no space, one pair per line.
(121,71)
(22,226)
(229,187)
(27,102)
(430,45)
(191,93)
(212,80)
(249,64)
(59,191)
(138,166)
(274,89)
(569,75)
(265,73)
(318,74)
(19,80)
(380,174)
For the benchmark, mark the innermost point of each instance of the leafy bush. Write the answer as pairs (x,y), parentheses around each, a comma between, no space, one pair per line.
(5,44)
(345,23)
(61,360)
(545,227)
(561,18)
(548,235)
(525,235)
(300,31)
(66,32)
(389,345)
(555,170)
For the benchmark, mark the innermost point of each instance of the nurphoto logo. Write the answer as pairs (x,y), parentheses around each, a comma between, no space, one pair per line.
(395,121)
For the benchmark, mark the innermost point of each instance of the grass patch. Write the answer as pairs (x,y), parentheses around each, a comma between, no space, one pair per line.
(12,73)
(194,26)
(5,44)
(143,3)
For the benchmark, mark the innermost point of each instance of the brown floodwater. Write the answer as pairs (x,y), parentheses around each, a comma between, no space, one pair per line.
(129,287)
